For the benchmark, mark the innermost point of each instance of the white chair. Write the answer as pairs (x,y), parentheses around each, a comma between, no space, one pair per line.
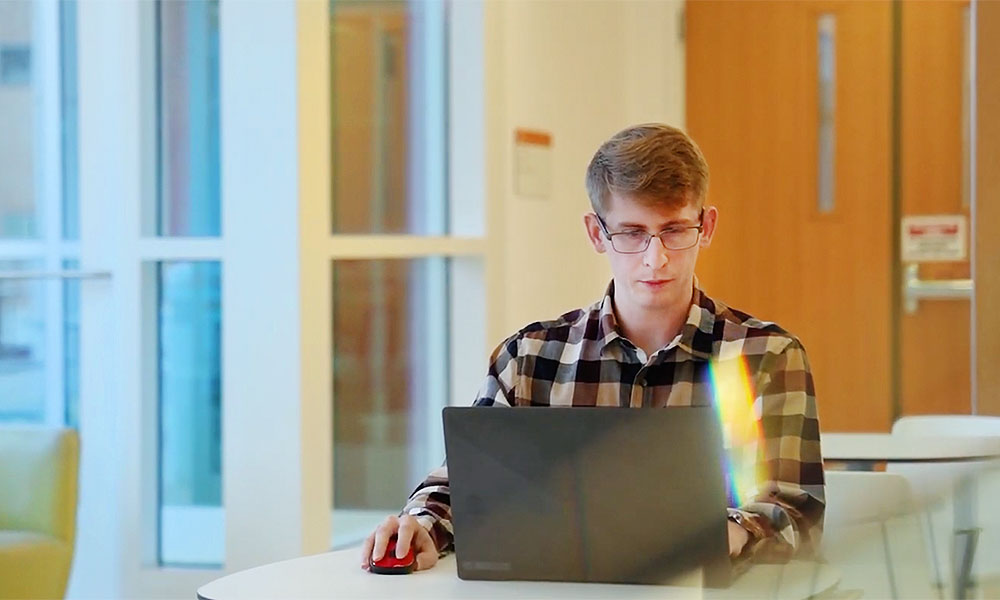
(869,526)
(933,485)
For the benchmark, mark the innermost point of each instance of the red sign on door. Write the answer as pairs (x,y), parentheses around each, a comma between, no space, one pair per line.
(934,238)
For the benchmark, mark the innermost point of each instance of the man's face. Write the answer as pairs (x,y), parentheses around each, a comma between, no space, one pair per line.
(657,278)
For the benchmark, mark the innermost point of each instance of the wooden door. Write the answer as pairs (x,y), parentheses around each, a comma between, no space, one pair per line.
(987,225)
(934,349)
(829,272)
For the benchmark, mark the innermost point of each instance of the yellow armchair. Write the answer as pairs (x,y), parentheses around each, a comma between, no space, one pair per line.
(38,489)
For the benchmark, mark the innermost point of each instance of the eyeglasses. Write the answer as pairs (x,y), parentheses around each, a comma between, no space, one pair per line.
(636,241)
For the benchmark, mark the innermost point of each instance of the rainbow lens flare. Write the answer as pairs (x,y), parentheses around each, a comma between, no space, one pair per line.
(734,400)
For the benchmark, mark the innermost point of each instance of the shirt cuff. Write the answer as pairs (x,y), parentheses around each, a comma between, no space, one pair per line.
(749,522)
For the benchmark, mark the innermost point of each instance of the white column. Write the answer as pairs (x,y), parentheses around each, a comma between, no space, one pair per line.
(262,475)
(108,180)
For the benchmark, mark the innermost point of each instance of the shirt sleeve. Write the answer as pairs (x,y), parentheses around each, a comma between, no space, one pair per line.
(785,518)
(430,502)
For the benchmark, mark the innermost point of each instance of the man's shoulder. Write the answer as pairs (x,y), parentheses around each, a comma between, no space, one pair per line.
(570,327)
(735,326)
(577,319)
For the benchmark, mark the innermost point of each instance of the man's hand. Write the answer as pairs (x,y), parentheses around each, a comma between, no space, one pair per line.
(738,538)
(407,530)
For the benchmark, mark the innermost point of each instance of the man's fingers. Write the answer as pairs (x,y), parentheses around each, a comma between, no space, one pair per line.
(404,537)
(427,554)
(427,559)
(409,533)
(366,551)
(382,535)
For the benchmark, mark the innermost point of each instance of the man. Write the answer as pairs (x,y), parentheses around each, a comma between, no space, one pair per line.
(649,343)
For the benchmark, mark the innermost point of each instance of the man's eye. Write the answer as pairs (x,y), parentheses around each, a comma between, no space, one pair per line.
(635,235)
(674,230)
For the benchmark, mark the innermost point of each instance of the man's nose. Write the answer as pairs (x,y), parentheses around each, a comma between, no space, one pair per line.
(656,255)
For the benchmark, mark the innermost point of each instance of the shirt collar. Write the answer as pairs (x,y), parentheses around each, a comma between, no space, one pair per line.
(607,324)
(696,333)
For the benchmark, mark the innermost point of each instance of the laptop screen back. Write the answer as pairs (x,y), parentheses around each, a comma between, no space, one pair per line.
(587,494)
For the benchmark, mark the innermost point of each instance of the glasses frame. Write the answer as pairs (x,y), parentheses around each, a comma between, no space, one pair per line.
(649,236)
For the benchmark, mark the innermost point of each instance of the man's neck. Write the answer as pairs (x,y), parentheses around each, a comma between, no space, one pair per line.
(652,329)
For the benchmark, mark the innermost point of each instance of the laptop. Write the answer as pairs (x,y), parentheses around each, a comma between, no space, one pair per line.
(613,495)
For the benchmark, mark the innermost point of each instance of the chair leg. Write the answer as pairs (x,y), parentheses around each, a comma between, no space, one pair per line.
(815,577)
(964,561)
(939,582)
(888,562)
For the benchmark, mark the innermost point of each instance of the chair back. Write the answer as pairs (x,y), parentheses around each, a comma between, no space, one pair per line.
(860,497)
(873,535)
(38,480)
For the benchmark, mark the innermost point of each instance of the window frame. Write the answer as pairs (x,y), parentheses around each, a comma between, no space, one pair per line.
(466,246)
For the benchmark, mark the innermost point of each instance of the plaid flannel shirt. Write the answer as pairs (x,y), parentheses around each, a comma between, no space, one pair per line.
(581,359)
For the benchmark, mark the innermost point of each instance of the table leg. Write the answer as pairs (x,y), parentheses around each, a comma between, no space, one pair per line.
(966,536)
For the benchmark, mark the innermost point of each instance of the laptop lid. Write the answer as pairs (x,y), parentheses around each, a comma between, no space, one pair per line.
(612,495)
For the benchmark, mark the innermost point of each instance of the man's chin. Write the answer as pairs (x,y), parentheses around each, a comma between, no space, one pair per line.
(656,297)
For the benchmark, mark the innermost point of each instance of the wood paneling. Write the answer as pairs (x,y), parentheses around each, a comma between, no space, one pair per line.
(987,273)
(935,350)
(752,107)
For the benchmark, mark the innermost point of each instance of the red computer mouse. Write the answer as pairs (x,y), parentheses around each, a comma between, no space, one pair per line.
(390,565)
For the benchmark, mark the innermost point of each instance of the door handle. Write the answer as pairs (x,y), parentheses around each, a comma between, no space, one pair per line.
(915,289)
(70,274)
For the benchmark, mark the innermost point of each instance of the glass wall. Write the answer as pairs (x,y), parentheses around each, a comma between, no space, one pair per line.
(20,206)
(22,346)
(38,211)
(390,371)
(187,294)
(388,61)
(188,118)
(391,326)
(71,345)
(189,358)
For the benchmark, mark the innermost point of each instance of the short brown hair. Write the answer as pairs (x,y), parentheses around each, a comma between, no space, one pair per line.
(651,163)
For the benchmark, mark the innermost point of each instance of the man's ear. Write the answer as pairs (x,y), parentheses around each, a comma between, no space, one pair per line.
(708,222)
(594,233)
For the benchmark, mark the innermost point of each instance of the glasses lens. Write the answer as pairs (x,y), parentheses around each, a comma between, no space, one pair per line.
(630,242)
(679,240)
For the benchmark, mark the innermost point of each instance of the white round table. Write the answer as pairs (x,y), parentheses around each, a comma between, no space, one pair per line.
(339,575)
(888,448)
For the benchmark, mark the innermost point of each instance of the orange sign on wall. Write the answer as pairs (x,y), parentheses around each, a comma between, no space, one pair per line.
(532,163)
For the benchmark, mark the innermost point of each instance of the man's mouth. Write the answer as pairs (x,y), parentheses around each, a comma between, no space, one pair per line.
(654,283)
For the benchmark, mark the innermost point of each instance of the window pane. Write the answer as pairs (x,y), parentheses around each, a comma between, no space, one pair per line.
(22,346)
(38,317)
(71,346)
(70,210)
(19,149)
(188,79)
(827,96)
(70,164)
(388,116)
(189,315)
(390,381)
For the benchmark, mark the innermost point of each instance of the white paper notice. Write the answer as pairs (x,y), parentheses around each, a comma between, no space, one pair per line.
(532,163)
(934,238)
